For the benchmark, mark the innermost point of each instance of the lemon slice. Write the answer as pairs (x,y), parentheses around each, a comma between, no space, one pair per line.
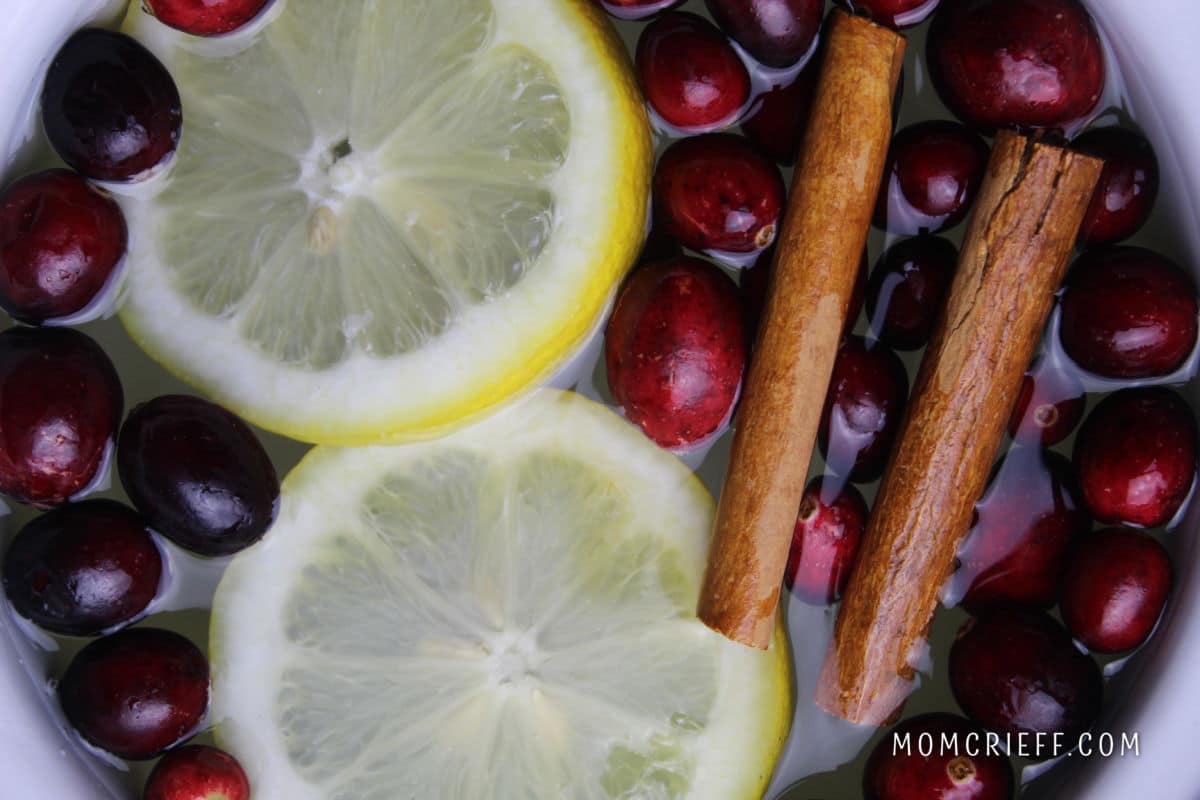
(387,216)
(505,613)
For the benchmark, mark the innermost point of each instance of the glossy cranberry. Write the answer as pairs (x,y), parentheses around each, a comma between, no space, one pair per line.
(825,541)
(1024,526)
(689,72)
(60,404)
(1136,456)
(1028,63)
(1015,670)
(967,771)
(715,192)
(137,692)
(1049,406)
(777,33)
(109,107)
(675,350)
(197,772)
(60,240)
(1128,185)
(754,281)
(893,13)
(1128,313)
(206,17)
(866,399)
(83,568)
(777,123)
(636,9)
(908,288)
(932,173)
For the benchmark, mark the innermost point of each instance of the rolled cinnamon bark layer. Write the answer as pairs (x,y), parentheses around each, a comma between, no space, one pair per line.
(817,257)
(1018,242)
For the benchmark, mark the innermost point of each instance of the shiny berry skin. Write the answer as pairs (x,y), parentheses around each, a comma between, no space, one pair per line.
(197,772)
(754,280)
(675,350)
(198,473)
(1024,63)
(1016,670)
(1049,405)
(715,192)
(137,692)
(777,33)
(777,124)
(1128,184)
(1128,313)
(1136,457)
(825,541)
(635,9)
(908,288)
(83,568)
(205,17)
(60,240)
(930,179)
(689,72)
(109,107)
(867,395)
(894,772)
(892,13)
(60,404)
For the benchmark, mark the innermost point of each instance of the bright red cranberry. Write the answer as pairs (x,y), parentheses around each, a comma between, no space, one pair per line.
(197,772)
(893,13)
(754,279)
(206,17)
(635,9)
(198,473)
(83,568)
(689,72)
(60,404)
(932,173)
(777,124)
(1028,63)
(1024,526)
(1128,184)
(137,692)
(777,33)
(715,192)
(825,541)
(1128,313)
(1015,670)
(1136,456)
(1049,406)
(60,240)
(866,399)
(675,350)
(907,290)
(970,771)
(109,107)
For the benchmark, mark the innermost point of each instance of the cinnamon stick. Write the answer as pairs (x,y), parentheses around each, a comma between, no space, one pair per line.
(1020,237)
(818,252)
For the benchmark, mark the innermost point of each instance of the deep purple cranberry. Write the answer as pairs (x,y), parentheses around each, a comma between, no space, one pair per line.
(893,13)
(777,123)
(1128,185)
(908,288)
(825,541)
(968,770)
(1049,405)
(777,33)
(932,174)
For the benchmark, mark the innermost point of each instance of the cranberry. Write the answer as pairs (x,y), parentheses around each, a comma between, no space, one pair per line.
(754,281)
(866,399)
(893,13)
(636,9)
(83,568)
(1015,670)
(675,350)
(1128,184)
(1029,63)
(198,473)
(777,123)
(206,17)
(716,192)
(109,106)
(60,240)
(907,290)
(1136,457)
(1128,313)
(969,771)
(825,541)
(932,173)
(690,73)
(137,692)
(1049,406)
(777,33)
(197,772)
(60,404)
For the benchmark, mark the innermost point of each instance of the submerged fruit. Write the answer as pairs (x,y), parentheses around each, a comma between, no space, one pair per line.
(206,17)
(197,772)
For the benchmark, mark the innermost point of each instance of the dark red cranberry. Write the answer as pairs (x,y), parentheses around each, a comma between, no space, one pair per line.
(866,399)
(1128,313)
(689,72)
(1136,456)
(206,17)
(60,240)
(60,404)
(932,173)
(1028,63)
(754,281)
(137,692)
(1128,185)
(912,763)
(777,33)
(893,13)
(83,568)
(825,541)
(1049,406)
(907,290)
(1015,670)
(1024,526)
(197,772)
(109,107)
(635,9)
(777,124)
(716,192)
